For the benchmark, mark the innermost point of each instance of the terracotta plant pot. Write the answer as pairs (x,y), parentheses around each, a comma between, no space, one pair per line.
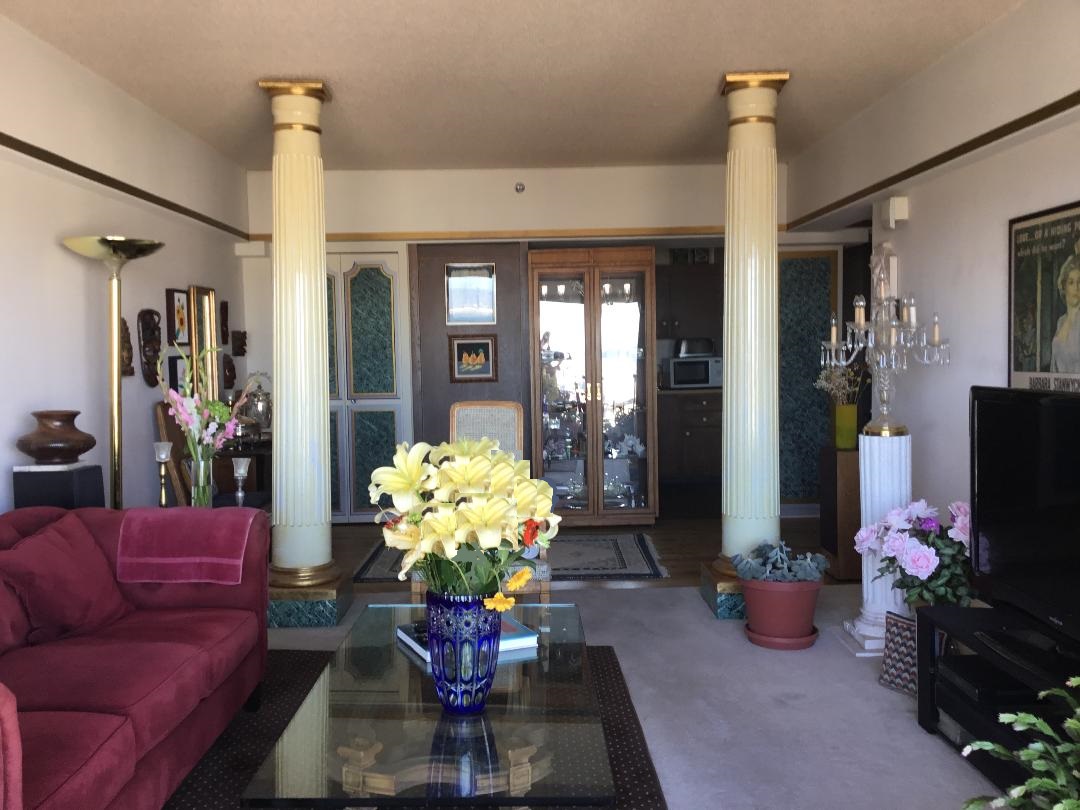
(56,440)
(780,615)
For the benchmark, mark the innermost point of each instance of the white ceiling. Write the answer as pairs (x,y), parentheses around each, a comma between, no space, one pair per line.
(503,83)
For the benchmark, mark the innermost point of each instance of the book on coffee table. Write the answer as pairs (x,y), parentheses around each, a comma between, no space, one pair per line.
(515,636)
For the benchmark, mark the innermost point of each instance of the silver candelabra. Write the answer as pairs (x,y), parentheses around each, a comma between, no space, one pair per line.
(889,338)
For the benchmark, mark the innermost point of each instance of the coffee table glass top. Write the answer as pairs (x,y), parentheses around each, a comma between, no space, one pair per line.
(372,732)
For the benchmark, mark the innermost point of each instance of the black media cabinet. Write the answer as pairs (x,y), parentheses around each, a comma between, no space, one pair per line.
(975,663)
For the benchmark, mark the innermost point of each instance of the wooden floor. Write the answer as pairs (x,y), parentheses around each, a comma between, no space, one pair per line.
(683,545)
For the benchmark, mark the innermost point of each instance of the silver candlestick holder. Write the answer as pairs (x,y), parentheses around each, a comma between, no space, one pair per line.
(240,471)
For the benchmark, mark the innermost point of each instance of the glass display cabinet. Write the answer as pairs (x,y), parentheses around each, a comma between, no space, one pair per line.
(594,382)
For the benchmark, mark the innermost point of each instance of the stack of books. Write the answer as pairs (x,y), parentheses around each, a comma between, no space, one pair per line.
(516,643)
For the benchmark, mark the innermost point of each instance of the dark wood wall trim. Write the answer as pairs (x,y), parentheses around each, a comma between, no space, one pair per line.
(63,163)
(1048,111)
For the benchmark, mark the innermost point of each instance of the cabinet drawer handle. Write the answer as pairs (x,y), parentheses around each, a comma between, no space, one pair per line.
(687,433)
(704,419)
(704,402)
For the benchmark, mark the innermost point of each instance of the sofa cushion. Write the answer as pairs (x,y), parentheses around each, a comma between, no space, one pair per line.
(225,635)
(155,684)
(63,581)
(75,759)
(14,623)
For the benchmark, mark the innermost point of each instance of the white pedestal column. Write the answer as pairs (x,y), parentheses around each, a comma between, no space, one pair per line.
(300,553)
(751,454)
(885,484)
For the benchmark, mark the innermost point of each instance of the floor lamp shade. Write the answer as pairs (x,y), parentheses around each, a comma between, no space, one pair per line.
(114,252)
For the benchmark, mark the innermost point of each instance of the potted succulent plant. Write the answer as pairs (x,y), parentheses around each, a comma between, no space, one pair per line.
(781,592)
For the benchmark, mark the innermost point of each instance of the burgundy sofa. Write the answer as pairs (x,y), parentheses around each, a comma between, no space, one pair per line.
(108,700)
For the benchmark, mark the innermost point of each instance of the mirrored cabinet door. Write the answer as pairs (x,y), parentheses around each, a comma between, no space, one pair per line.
(562,301)
(623,395)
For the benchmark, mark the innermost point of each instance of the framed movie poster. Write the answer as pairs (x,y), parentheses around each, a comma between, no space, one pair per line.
(470,294)
(178,326)
(472,358)
(1044,300)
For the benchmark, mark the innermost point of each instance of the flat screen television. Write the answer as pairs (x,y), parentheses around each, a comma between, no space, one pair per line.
(1025,502)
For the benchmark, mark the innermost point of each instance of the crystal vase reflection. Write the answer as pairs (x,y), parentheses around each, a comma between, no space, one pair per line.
(464,759)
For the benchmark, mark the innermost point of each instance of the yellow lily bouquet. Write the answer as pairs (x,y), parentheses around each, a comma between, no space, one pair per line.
(465,514)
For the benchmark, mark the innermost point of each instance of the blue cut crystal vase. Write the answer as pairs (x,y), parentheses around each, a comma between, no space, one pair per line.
(463,639)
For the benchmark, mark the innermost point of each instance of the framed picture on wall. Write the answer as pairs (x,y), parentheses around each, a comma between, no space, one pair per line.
(177,372)
(473,358)
(470,294)
(177,322)
(1044,299)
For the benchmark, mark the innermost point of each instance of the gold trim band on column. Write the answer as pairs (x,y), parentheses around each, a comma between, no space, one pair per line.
(308,127)
(284,87)
(885,430)
(305,576)
(775,79)
(752,119)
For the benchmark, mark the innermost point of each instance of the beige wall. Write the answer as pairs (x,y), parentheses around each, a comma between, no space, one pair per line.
(954,258)
(53,308)
(485,200)
(1024,61)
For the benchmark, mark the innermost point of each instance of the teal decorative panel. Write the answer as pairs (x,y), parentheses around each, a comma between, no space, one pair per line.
(805,307)
(335,468)
(374,438)
(331,331)
(369,294)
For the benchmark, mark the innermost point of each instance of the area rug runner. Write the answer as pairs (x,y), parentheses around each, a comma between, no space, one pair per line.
(219,779)
(571,557)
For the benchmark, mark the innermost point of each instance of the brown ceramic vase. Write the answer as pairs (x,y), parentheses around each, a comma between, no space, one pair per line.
(56,440)
(780,615)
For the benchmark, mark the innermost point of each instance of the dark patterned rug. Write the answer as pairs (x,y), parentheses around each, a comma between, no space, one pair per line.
(597,555)
(218,780)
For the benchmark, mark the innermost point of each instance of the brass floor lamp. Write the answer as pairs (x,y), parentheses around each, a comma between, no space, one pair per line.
(114,252)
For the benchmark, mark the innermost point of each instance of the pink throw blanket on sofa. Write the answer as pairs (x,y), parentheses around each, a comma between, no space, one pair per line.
(183,544)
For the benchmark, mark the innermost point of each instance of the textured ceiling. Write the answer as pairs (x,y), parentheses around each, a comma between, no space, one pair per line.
(503,83)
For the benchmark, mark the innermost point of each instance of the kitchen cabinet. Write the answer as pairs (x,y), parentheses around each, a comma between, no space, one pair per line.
(690,301)
(691,435)
(592,332)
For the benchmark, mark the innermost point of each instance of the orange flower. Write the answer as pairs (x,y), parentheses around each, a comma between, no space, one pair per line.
(532,529)
(499,602)
(518,580)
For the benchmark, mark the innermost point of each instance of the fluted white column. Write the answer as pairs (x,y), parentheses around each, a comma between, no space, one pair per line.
(884,484)
(751,460)
(301,552)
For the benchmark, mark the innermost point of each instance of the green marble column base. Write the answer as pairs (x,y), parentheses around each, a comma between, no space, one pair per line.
(319,606)
(721,591)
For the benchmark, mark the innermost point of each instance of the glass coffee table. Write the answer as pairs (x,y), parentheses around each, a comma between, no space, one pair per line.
(371,732)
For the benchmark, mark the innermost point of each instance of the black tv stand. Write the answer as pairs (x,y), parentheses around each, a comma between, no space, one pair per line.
(1003,659)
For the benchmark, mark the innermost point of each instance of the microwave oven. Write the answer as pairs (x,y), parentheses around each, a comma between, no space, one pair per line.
(693,372)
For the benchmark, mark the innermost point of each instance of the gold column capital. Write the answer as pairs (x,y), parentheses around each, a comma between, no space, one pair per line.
(316,88)
(774,79)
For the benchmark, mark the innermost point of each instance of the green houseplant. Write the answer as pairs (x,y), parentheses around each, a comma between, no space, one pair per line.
(1052,758)
(780,589)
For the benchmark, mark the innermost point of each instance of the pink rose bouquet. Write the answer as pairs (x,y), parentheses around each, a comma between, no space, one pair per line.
(932,562)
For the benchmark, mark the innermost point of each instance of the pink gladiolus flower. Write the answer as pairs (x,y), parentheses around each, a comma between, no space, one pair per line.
(894,544)
(230,428)
(918,560)
(867,539)
(897,520)
(219,442)
(961,531)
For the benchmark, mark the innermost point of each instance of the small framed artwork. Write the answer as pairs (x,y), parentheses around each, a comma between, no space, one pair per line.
(177,322)
(470,294)
(1044,299)
(473,358)
(177,372)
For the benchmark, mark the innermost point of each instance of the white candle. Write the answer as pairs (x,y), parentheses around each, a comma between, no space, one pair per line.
(892,335)
(832,329)
(911,314)
(860,312)
(935,331)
